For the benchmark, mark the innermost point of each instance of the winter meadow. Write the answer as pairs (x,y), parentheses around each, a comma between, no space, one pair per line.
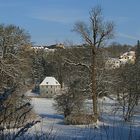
(84,86)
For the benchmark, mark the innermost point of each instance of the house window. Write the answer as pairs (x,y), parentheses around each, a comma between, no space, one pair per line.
(47,83)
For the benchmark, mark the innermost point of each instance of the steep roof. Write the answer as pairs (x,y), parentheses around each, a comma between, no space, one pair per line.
(50,81)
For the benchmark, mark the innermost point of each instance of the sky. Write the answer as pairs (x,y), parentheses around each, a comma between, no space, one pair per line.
(51,21)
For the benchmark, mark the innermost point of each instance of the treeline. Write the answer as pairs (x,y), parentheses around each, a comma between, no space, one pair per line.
(115,49)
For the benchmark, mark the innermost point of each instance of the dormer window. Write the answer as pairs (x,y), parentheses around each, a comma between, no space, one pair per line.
(47,83)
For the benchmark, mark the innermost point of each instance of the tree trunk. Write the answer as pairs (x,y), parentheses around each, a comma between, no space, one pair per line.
(94,94)
(60,77)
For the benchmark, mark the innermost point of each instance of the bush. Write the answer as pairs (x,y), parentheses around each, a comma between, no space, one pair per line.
(79,119)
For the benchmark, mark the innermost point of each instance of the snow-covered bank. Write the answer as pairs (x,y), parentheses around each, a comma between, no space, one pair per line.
(111,126)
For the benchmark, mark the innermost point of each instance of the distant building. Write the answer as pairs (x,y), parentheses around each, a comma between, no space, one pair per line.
(36,48)
(49,87)
(50,48)
(56,46)
(125,58)
(128,57)
(112,63)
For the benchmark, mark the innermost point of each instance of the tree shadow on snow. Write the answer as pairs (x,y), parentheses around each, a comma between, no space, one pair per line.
(52,116)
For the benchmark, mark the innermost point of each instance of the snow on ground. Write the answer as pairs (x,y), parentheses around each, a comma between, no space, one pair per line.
(31,94)
(111,126)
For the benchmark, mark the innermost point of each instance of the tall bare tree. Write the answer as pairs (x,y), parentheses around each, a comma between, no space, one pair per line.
(95,34)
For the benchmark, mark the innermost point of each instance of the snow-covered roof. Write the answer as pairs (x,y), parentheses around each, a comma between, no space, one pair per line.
(50,81)
(130,53)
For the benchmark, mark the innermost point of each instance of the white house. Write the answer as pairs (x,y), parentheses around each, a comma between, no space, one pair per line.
(49,87)
(128,57)
(112,63)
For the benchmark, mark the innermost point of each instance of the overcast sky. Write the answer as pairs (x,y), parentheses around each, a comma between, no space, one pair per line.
(51,21)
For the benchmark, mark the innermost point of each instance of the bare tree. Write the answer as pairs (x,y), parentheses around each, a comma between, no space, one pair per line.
(128,87)
(14,106)
(12,38)
(70,101)
(95,36)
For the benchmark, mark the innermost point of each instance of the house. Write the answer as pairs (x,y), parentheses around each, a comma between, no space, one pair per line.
(0,51)
(112,63)
(56,46)
(49,87)
(128,57)
(125,58)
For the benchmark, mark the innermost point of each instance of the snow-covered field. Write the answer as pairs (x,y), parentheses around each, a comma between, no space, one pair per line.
(111,126)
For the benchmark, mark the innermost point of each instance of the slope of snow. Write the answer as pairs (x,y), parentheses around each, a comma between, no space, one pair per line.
(111,126)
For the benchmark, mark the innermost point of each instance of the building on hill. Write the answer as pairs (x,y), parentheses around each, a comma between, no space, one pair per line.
(49,87)
(125,58)
(1,52)
(112,63)
(56,46)
(50,48)
(128,57)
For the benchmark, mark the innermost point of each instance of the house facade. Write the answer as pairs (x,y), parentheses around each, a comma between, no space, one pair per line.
(49,87)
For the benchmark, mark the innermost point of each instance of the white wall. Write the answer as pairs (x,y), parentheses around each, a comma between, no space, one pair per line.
(49,90)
